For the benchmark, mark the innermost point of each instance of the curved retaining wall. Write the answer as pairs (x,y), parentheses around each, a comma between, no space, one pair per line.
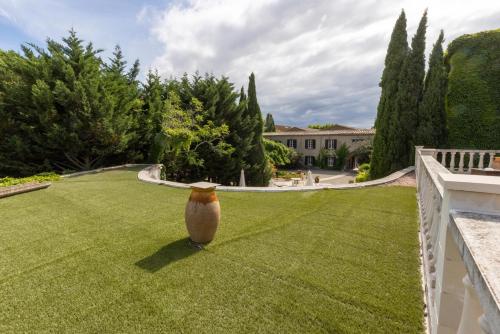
(151,174)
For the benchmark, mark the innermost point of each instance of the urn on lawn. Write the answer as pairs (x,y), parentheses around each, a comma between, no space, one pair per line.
(496,163)
(202,213)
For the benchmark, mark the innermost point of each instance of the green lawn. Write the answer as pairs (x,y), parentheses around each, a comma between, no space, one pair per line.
(107,253)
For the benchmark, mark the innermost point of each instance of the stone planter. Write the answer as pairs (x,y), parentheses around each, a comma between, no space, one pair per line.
(202,213)
(496,163)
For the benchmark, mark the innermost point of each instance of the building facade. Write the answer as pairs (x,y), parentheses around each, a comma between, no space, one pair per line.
(309,142)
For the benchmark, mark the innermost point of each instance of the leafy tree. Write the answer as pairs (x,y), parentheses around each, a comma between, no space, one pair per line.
(431,131)
(258,172)
(269,124)
(341,154)
(403,121)
(396,54)
(184,135)
(278,154)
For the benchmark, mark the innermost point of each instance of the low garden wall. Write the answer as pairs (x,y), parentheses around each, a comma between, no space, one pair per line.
(151,174)
(22,188)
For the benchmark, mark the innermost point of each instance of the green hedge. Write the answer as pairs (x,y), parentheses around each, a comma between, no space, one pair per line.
(473,99)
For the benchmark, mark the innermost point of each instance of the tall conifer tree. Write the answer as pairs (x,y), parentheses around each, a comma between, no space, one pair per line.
(269,124)
(396,54)
(404,120)
(258,172)
(431,131)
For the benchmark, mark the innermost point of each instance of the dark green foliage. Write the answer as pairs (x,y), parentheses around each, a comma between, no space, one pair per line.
(396,54)
(322,159)
(64,108)
(363,153)
(431,131)
(269,124)
(259,171)
(403,121)
(473,99)
(151,119)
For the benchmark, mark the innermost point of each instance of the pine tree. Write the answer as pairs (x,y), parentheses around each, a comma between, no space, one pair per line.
(431,131)
(71,110)
(269,124)
(404,121)
(259,171)
(151,117)
(396,54)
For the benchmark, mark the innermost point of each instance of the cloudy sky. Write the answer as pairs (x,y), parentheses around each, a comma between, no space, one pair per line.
(315,61)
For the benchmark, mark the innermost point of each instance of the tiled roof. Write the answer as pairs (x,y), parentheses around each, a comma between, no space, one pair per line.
(354,132)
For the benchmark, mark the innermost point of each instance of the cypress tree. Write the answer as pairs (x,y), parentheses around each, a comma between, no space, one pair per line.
(403,122)
(396,54)
(259,172)
(431,131)
(269,124)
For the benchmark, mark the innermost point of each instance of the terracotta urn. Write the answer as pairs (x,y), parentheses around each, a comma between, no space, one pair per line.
(496,163)
(202,213)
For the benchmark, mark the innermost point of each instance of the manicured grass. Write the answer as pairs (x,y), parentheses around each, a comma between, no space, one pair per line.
(106,253)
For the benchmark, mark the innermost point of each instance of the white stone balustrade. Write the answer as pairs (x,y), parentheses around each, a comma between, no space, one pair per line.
(467,159)
(460,236)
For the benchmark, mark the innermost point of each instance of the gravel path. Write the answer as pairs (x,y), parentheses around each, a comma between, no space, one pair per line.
(406,181)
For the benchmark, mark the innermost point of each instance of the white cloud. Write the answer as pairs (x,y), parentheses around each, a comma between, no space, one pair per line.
(315,61)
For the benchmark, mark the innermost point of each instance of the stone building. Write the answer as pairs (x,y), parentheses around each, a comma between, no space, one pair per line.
(309,142)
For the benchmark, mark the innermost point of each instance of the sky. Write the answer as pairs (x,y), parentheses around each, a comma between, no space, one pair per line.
(315,61)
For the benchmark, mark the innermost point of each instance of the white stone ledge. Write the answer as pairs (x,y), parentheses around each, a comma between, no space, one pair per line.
(474,183)
(477,237)
(104,169)
(22,188)
(151,174)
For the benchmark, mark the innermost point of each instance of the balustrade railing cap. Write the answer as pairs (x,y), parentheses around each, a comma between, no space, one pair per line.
(203,185)
(475,183)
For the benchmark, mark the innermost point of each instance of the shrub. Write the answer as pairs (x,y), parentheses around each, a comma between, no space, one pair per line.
(364,167)
(362,176)
(341,153)
(363,173)
(42,177)
(286,174)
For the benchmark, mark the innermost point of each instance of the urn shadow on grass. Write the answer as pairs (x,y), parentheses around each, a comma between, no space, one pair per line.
(174,251)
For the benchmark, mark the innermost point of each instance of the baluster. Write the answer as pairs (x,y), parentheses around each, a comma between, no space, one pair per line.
(471,311)
(484,324)
(452,161)
(481,160)
(443,158)
(471,161)
(492,157)
(461,162)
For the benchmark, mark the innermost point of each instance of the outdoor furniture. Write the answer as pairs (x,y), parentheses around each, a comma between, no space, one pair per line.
(295,181)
